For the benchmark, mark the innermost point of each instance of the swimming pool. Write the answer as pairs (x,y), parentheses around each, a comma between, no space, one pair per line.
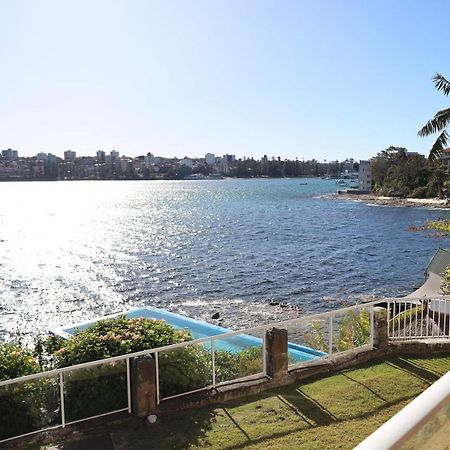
(198,329)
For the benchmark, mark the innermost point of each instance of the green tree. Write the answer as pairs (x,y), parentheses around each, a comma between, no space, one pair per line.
(439,122)
(438,177)
(385,160)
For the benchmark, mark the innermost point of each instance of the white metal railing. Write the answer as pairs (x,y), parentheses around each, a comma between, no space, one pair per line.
(403,427)
(334,332)
(418,318)
(254,337)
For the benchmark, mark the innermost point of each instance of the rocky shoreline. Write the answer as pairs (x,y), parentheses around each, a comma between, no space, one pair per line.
(395,201)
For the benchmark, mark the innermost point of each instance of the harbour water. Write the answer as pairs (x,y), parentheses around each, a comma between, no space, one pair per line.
(71,251)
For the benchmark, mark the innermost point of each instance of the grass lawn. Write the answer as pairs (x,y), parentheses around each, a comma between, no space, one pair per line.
(335,412)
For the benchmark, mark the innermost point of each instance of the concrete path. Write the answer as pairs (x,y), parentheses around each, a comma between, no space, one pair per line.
(431,287)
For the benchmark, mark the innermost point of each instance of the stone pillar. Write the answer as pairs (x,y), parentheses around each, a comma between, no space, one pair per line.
(380,328)
(277,352)
(143,386)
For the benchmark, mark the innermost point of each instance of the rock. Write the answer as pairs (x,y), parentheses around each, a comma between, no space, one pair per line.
(216,315)
(274,303)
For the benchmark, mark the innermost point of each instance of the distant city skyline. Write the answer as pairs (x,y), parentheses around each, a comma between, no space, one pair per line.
(61,154)
(323,80)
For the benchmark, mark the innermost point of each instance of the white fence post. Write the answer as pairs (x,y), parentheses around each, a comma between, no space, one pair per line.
(330,336)
(264,352)
(61,399)
(372,324)
(128,385)
(157,377)
(213,362)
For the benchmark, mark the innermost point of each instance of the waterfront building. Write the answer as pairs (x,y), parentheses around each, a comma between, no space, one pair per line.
(186,162)
(229,158)
(10,155)
(210,159)
(100,156)
(9,170)
(150,159)
(227,164)
(69,155)
(365,176)
(445,158)
(125,164)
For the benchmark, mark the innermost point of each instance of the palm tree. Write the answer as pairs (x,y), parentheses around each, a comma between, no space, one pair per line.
(439,122)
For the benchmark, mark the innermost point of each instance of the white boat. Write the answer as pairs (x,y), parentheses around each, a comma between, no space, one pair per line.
(353,184)
(348,182)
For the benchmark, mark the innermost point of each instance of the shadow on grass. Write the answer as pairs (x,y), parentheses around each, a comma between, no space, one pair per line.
(312,409)
(364,386)
(197,428)
(427,375)
(328,421)
(92,443)
(178,430)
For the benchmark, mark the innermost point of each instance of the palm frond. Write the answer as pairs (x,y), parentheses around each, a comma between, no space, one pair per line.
(438,146)
(441,83)
(437,123)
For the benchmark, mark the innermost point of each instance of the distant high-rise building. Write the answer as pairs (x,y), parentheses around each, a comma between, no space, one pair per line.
(10,155)
(210,159)
(69,155)
(229,158)
(100,156)
(150,159)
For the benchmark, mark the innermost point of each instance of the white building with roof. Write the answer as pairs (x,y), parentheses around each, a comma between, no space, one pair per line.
(364,176)
(186,162)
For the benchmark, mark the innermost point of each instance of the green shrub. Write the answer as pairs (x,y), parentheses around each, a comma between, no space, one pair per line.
(16,361)
(230,365)
(419,192)
(24,406)
(103,388)
(442,226)
(190,368)
(354,330)
(315,337)
(114,337)
(445,282)
(184,369)
(95,390)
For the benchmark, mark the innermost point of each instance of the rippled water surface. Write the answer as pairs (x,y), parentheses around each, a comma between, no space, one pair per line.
(70,251)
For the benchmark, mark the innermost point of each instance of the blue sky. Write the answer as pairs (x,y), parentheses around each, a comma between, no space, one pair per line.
(323,79)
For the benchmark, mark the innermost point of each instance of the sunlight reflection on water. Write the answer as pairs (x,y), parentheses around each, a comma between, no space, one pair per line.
(70,251)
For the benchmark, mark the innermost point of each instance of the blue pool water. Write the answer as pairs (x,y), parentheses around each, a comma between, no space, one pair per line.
(198,329)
